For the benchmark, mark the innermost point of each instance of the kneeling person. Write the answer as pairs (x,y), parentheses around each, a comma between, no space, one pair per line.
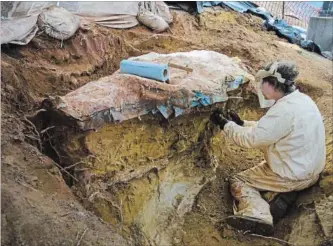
(292,137)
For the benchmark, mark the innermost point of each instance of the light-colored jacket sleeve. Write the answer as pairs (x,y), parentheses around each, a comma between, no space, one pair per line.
(248,123)
(269,129)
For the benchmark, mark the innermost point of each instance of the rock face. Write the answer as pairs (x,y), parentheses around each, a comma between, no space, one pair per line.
(324,211)
(38,208)
(305,231)
(145,177)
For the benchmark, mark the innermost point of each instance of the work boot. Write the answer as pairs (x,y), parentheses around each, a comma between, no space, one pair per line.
(250,224)
(251,211)
(280,204)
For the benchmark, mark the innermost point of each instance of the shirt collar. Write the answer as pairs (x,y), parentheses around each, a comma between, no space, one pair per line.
(290,95)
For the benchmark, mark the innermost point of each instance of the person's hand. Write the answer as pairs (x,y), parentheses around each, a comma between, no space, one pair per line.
(218,118)
(235,117)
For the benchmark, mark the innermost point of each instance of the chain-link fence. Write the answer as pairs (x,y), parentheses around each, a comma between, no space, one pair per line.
(327,10)
(294,13)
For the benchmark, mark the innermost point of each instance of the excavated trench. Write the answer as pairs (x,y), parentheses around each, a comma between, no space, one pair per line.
(143,175)
(157,181)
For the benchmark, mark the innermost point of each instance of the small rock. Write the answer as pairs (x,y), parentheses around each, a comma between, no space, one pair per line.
(227,233)
(73,81)
(82,215)
(326,184)
(66,57)
(34,178)
(66,78)
(76,74)
(47,162)
(324,211)
(9,88)
(17,138)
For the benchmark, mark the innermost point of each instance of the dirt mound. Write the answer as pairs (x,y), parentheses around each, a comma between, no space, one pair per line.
(37,206)
(50,67)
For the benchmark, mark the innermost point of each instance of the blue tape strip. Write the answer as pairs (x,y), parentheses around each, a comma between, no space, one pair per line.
(165,111)
(238,81)
(178,111)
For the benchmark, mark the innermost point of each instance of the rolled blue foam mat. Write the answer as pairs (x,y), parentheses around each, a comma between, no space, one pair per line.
(148,70)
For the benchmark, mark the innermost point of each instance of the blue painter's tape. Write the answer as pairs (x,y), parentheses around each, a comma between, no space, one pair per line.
(238,81)
(148,70)
(203,99)
(195,104)
(178,111)
(165,111)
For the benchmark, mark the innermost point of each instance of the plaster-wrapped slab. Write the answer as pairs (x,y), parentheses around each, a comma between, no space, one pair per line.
(121,96)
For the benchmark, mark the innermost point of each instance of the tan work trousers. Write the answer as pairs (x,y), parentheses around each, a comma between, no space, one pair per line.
(245,187)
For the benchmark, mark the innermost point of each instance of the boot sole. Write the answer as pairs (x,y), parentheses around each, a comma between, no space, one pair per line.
(250,224)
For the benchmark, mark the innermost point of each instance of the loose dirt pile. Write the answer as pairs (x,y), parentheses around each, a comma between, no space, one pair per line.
(38,208)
